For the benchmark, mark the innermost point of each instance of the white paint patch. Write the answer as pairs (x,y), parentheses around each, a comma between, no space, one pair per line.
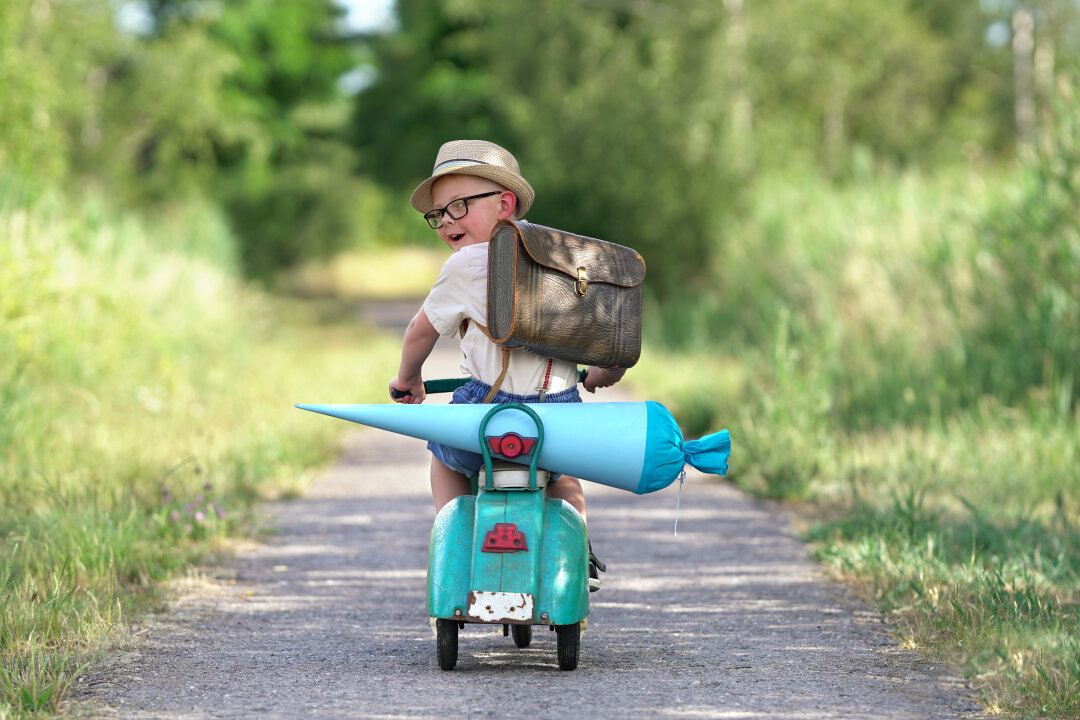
(500,606)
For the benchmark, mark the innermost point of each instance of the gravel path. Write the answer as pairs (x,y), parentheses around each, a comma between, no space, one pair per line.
(729,619)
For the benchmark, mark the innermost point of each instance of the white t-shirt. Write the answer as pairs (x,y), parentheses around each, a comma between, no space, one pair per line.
(460,293)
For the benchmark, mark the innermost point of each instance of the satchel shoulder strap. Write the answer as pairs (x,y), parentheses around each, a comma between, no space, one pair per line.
(505,364)
(505,359)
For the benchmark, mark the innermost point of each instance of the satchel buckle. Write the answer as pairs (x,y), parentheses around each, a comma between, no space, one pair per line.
(582,285)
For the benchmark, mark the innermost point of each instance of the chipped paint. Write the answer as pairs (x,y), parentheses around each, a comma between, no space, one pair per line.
(501,607)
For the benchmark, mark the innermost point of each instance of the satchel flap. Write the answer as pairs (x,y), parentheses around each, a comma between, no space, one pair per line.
(604,262)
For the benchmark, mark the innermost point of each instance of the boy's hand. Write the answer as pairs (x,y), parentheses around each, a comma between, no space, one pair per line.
(599,377)
(407,393)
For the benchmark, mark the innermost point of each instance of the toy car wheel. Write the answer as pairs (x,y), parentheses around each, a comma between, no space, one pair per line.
(446,634)
(522,635)
(569,642)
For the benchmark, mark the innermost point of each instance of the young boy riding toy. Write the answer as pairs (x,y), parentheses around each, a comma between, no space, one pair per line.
(474,185)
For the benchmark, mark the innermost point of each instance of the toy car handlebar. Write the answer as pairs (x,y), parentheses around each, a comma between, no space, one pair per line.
(433,386)
(452,384)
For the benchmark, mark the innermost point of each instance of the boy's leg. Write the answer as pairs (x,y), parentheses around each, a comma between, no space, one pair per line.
(447,484)
(569,489)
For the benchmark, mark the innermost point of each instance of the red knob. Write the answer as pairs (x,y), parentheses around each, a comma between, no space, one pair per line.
(511,445)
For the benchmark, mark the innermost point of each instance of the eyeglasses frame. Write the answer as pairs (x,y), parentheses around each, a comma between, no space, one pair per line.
(445,210)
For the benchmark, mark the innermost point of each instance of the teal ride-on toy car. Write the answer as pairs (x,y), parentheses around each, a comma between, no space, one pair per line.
(507,555)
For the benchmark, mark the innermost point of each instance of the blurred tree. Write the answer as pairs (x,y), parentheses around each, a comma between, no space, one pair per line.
(979,107)
(244,105)
(175,119)
(433,83)
(832,75)
(238,101)
(292,56)
(625,125)
(926,81)
(51,61)
(975,112)
(615,111)
(1026,273)
(636,120)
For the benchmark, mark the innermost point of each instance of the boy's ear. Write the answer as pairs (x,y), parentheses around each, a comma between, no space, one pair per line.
(507,204)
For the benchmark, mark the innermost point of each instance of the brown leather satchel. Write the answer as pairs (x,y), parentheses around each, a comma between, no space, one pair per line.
(564,296)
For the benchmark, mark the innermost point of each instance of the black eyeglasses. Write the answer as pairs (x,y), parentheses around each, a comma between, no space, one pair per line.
(456,210)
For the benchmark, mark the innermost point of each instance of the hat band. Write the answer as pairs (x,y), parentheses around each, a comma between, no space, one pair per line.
(449,165)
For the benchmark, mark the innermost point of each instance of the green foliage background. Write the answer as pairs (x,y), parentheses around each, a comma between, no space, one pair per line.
(860,259)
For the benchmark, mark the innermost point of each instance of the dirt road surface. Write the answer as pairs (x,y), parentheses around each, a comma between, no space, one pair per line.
(325,619)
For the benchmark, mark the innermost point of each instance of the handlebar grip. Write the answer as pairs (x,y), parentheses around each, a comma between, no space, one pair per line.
(445,385)
(433,386)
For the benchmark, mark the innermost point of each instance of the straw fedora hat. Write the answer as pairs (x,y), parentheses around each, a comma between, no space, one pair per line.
(483,159)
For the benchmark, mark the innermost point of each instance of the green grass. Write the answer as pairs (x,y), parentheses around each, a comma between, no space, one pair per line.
(145,404)
(849,342)
(997,597)
(968,535)
(850,345)
(372,274)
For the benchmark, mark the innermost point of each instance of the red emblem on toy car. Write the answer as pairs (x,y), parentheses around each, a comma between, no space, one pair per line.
(511,445)
(504,538)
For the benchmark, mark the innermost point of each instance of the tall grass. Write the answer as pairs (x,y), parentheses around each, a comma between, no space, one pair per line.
(145,402)
(900,354)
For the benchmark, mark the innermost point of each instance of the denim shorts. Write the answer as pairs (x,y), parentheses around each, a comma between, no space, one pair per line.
(473,392)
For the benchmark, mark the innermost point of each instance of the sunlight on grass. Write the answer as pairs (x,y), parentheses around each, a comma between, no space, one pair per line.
(842,348)
(377,274)
(146,403)
(146,400)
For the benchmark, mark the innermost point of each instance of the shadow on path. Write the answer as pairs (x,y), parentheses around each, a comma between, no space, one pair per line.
(729,619)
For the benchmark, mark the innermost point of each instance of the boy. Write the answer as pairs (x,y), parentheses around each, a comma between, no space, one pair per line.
(473,186)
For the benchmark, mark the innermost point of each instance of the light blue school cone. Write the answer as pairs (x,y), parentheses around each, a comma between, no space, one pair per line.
(635,446)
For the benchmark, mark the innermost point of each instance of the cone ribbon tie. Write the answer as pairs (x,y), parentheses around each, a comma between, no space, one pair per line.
(710,453)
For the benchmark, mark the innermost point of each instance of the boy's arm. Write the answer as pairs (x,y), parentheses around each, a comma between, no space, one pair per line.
(420,338)
(599,377)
